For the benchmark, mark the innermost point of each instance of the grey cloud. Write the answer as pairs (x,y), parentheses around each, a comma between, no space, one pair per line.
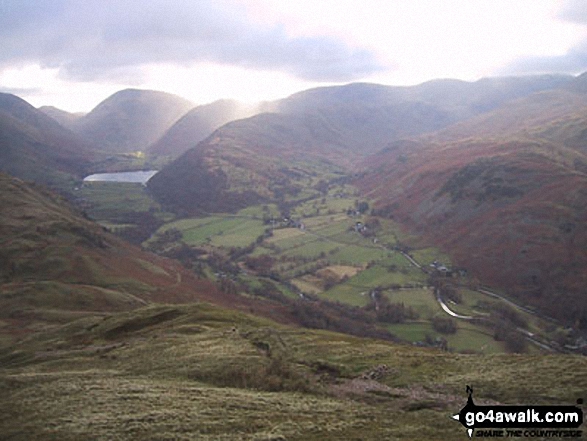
(22,91)
(573,62)
(97,39)
(574,11)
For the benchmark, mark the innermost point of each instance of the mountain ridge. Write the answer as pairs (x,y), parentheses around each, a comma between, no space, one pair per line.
(131,119)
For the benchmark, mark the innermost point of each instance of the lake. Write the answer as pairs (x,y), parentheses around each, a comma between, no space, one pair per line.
(140,177)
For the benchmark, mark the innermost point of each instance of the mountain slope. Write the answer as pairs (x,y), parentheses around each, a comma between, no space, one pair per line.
(66,119)
(197,124)
(131,119)
(504,193)
(320,131)
(35,147)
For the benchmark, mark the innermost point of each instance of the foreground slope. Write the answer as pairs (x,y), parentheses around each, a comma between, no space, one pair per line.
(35,147)
(504,193)
(56,265)
(131,119)
(202,372)
(321,131)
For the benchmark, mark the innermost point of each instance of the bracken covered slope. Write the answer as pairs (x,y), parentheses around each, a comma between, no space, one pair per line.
(55,265)
(505,193)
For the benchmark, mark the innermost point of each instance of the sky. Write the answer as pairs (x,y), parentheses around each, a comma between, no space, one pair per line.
(72,54)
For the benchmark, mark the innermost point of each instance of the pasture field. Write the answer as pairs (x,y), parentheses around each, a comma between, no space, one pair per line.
(422,300)
(218,231)
(428,255)
(105,200)
(322,231)
(468,338)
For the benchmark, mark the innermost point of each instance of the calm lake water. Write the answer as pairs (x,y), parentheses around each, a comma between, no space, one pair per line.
(135,176)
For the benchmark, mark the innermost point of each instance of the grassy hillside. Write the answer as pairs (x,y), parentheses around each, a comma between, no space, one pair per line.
(202,372)
(56,265)
(130,120)
(35,147)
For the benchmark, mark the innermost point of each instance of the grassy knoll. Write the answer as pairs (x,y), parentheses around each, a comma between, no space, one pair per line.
(201,372)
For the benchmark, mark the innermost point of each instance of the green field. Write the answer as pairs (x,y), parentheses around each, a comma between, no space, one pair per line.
(105,200)
(422,300)
(297,255)
(218,231)
(426,256)
(467,339)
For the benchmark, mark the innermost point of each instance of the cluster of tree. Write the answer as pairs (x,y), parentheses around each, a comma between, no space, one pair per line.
(438,342)
(164,240)
(322,186)
(388,312)
(228,286)
(222,264)
(513,340)
(504,313)
(262,265)
(361,206)
(506,323)
(189,257)
(444,325)
(315,313)
(144,225)
(445,288)
(320,314)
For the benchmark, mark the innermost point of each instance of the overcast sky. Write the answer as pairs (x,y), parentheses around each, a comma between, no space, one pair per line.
(74,53)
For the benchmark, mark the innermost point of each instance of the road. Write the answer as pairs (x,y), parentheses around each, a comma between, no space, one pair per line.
(446,309)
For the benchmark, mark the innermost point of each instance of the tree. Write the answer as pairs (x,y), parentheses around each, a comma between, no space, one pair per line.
(362,207)
(444,325)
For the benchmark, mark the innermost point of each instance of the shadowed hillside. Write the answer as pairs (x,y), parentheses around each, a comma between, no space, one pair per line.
(130,120)
(66,119)
(35,147)
(197,124)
